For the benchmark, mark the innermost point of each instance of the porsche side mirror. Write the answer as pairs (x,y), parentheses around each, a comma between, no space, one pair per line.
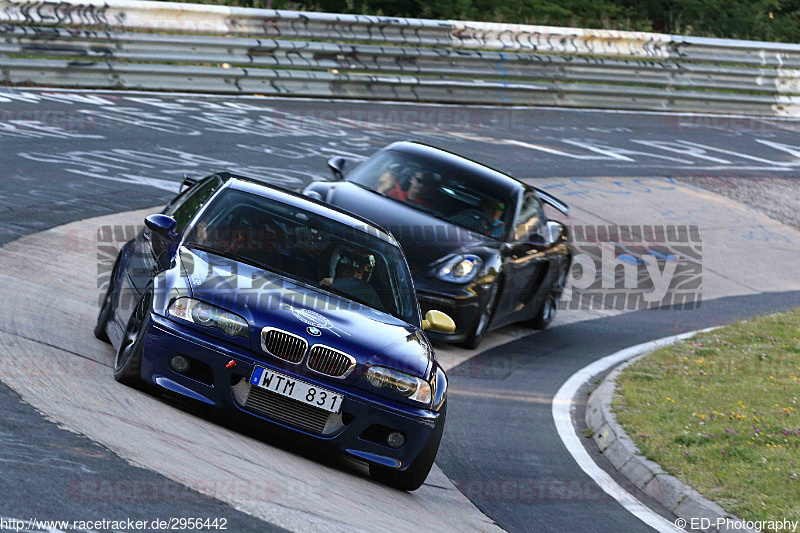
(162,235)
(555,231)
(438,321)
(337,164)
(314,194)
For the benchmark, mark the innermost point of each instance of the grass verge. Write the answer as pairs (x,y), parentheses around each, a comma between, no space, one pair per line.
(720,412)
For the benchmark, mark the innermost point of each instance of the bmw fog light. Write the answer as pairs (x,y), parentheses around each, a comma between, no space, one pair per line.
(179,363)
(395,439)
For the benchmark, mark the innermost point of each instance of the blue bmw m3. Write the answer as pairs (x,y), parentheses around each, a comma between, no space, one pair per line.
(260,300)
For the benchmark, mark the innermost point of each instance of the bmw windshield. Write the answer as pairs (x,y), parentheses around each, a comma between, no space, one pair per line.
(352,262)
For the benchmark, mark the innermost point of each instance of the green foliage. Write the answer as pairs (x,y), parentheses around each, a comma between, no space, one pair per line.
(724,417)
(770,20)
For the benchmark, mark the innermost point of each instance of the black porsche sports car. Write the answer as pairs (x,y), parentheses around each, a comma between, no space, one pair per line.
(478,243)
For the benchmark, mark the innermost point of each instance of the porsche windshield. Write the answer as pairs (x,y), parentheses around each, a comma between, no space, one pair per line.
(442,191)
(349,261)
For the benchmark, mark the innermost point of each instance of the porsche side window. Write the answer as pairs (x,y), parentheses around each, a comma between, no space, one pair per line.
(530,218)
(186,208)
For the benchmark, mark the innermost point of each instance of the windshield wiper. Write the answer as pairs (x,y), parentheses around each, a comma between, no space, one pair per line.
(355,299)
(369,189)
(231,256)
(430,211)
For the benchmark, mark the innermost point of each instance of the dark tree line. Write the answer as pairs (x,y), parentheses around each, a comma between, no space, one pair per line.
(769,20)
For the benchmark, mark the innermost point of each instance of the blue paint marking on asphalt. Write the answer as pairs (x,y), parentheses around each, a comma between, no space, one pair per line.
(666,257)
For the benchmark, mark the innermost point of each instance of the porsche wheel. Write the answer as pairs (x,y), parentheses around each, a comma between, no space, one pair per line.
(128,364)
(415,475)
(548,312)
(475,336)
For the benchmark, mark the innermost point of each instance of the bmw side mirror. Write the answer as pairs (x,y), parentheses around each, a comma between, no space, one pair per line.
(337,164)
(162,236)
(162,224)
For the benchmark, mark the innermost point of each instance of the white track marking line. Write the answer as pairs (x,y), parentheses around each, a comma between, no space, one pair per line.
(562,404)
(397,103)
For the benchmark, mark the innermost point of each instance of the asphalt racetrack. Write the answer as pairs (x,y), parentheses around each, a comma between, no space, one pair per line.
(80,446)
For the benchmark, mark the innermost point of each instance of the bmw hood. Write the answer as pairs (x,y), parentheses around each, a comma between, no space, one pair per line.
(265,299)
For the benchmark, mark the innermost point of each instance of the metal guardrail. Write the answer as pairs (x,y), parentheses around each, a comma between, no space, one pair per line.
(170,46)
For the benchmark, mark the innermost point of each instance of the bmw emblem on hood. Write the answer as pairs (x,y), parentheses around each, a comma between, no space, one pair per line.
(313,331)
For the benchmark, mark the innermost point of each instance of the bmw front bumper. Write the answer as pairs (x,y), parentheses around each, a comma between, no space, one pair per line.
(356,430)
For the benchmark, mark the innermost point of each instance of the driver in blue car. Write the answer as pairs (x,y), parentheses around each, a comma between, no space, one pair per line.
(352,271)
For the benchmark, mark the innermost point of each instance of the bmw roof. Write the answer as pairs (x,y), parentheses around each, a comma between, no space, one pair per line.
(302,201)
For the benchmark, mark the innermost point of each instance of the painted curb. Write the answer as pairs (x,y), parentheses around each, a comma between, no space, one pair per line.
(623,454)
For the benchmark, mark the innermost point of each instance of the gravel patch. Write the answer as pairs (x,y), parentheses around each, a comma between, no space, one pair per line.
(778,198)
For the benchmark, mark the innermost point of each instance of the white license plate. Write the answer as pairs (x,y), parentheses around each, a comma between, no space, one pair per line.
(296,389)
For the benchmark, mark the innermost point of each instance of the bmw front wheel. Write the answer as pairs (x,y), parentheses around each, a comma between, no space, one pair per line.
(128,364)
(106,309)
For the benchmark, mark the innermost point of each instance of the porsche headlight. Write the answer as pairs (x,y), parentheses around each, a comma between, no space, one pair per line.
(459,268)
(209,316)
(401,383)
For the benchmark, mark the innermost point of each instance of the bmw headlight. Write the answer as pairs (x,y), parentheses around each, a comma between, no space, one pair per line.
(209,316)
(460,268)
(401,383)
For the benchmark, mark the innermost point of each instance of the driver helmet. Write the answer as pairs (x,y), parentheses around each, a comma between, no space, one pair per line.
(358,259)
(493,205)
